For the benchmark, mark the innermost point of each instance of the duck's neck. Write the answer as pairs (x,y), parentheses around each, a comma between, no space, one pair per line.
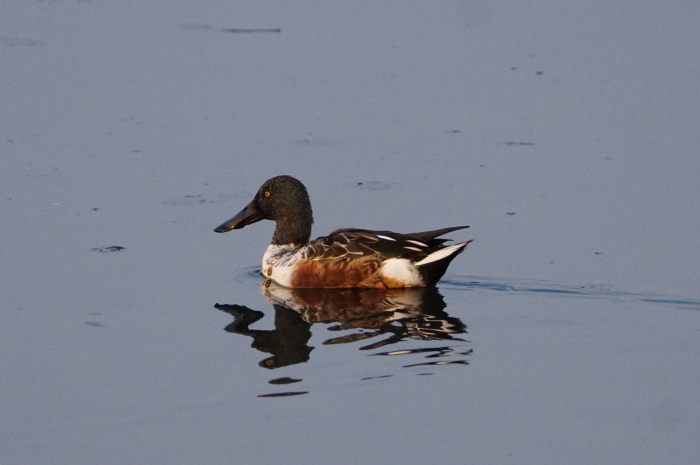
(295,231)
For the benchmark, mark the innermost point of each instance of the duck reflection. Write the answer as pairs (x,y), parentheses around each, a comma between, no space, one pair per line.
(397,314)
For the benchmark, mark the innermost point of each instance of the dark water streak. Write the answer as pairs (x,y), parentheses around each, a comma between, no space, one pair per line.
(556,288)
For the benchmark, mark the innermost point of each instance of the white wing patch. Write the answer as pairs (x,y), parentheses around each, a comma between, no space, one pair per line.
(386,238)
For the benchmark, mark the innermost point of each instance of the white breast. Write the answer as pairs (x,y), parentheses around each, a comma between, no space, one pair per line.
(278,263)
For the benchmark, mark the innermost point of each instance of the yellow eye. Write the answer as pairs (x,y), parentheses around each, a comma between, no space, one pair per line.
(267,193)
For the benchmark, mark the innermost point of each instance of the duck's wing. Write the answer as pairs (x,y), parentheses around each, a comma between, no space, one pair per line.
(358,243)
(431,235)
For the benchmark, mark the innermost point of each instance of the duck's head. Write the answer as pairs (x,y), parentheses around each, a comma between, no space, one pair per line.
(282,199)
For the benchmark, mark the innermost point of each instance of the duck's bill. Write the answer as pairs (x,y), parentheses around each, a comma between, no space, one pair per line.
(248,215)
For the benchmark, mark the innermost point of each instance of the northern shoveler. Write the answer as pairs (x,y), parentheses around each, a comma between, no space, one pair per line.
(346,257)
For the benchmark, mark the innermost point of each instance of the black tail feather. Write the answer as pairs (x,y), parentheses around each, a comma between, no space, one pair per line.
(430,235)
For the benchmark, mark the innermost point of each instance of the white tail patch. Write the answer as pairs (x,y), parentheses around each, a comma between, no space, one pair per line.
(442,253)
(401,270)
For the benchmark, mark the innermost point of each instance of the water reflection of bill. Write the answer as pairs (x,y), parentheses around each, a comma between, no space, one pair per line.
(377,318)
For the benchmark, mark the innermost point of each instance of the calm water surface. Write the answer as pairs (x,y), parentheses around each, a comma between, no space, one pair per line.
(482,369)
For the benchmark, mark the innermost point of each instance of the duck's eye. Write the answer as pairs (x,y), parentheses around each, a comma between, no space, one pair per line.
(267,193)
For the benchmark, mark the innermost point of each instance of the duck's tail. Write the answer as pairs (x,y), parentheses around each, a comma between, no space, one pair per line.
(432,267)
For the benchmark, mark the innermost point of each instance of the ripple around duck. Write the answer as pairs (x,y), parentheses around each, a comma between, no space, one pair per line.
(253,275)
(535,286)
(249,275)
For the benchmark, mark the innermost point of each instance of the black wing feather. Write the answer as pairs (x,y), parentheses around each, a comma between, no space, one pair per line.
(356,243)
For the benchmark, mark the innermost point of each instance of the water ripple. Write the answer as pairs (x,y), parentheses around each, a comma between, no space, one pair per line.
(538,286)
(253,275)
(249,275)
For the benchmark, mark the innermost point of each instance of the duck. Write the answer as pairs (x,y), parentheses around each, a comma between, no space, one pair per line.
(346,258)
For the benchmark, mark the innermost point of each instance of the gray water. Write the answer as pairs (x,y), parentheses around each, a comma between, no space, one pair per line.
(565,134)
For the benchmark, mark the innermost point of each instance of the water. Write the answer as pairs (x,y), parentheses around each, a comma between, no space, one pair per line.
(564,135)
